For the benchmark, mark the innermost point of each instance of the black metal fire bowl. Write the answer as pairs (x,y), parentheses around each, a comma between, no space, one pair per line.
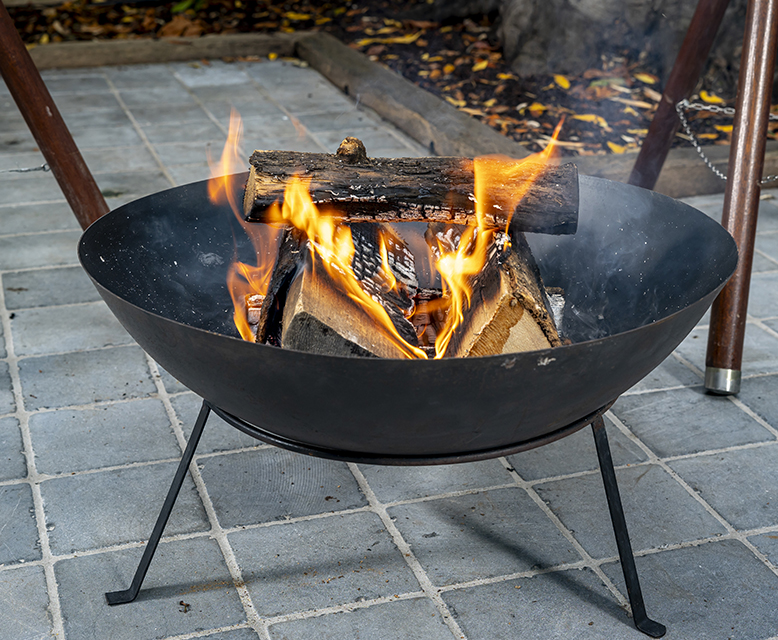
(638,275)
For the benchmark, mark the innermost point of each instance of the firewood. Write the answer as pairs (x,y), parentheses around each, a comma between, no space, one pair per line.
(508,310)
(437,189)
(319,317)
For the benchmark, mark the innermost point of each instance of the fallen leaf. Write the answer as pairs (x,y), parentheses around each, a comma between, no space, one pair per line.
(406,39)
(647,78)
(536,108)
(591,117)
(724,128)
(637,132)
(652,95)
(449,68)
(472,112)
(616,148)
(710,98)
(707,136)
(480,65)
(455,102)
(490,103)
(292,15)
(562,81)
(506,76)
(631,111)
(640,104)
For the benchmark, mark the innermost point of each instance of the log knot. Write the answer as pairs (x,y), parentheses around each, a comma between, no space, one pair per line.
(352,151)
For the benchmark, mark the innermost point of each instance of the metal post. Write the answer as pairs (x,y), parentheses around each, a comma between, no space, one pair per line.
(642,621)
(741,199)
(128,595)
(686,71)
(47,126)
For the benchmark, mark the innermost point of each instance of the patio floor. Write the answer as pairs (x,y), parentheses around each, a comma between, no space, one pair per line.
(270,544)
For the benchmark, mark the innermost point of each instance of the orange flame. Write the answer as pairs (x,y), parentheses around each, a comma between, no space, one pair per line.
(332,244)
(458,267)
(243,280)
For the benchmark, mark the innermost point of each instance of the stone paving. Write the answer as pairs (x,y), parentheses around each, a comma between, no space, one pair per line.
(270,544)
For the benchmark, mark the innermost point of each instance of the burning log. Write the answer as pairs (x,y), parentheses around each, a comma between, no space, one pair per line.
(319,317)
(414,189)
(508,310)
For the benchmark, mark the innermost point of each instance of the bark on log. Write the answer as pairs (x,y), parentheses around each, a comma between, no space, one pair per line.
(412,189)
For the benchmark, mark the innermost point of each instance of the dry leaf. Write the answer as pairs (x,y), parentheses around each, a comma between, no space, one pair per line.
(506,76)
(292,15)
(724,128)
(449,68)
(591,117)
(406,39)
(562,81)
(707,136)
(536,108)
(480,65)
(647,78)
(710,98)
(640,104)
(455,102)
(616,148)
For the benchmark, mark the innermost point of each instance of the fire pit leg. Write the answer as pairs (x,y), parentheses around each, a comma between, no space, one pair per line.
(128,595)
(642,621)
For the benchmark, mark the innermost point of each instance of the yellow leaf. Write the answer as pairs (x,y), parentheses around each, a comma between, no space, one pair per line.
(384,30)
(455,102)
(490,103)
(536,108)
(505,76)
(272,55)
(647,78)
(323,20)
(480,65)
(724,128)
(616,148)
(292,15)
(562,81)
(630,111)
(707,136)
(407,39)
(592,117)
(637,132)
(472,112)
(449,68)
(44,39)
(710,98)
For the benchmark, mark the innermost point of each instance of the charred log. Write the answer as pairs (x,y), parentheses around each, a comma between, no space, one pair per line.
(433,189)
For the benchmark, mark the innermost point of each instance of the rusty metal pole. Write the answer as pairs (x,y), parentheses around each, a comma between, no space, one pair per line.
(47,126)
(686,71)
(741,199)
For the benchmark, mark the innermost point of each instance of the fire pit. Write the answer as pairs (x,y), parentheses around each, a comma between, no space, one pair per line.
(639,273)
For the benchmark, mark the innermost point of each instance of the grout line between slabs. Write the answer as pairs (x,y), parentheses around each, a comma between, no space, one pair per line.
(405,549)
(33,478)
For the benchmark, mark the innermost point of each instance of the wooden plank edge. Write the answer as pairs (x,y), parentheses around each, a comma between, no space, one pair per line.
(98,53)
(435,124)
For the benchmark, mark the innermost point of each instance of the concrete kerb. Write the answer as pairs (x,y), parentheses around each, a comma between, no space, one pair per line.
(426,118)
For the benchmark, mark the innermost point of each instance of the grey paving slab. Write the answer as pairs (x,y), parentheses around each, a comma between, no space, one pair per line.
(246,633)
(271,484)
(215,74)
(84,377)
(19,542)
(13,463)
(18,160)
(218,435)
(115,159)
(172,115)
(658,510)
(283,143)
(188,173)
(481,535)
(741,485)
(140,76)
(320,563)
(392,483)
(685,421)
(3,352)
(248,91)
(767,543)
(574,454)
(37,217)
(123,135)
(768,212)
(274,123)
(174,153)
(711,205)
(353,119)
(312,99)
(162,133)
(48,287)
(567,604)
(66,328)
(69,103)
(415,619)
(671,373)
(372,136)
(81,83)
(110,435)
(760,349)
(7,404)
(172,94)
(18,141)
(759,395)
(279,73)
(24,614)
(192,572)
(170,383)
(763,263)
(763,298)
(94,510)
(714,591)
(135,183)
(38,250)
(28,188)
(249,107)
(104,118)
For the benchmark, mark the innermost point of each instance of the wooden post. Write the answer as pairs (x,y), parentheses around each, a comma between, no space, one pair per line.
(47,126)
(741,199)
(686,71)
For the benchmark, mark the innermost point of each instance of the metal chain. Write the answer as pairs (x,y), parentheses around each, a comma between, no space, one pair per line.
(685,105)
(43,167)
